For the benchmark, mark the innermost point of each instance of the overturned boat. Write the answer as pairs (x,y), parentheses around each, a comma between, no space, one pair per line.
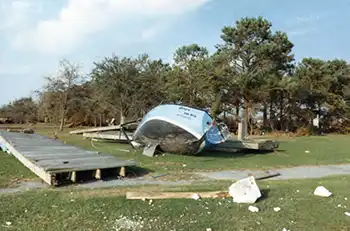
(179,129)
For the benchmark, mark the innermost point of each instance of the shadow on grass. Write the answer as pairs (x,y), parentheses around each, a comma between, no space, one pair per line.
(240,153)
(86,177)
(264,194)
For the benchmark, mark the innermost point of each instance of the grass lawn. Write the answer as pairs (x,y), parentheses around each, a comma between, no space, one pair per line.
(71,209)
(331,149)
(84,210)
(11,170)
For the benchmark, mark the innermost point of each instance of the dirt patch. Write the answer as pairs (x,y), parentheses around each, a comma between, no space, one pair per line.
(24,186)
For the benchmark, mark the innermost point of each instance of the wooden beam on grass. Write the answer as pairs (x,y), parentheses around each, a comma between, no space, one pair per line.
(174,195)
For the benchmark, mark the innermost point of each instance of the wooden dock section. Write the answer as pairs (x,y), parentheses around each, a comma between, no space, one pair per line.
(56,162)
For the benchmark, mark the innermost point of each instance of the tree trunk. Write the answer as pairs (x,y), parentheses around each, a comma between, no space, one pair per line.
(281,111)
(265,115)
(216,105)
(63,114)
(272,115)
(100,120)
(122,117)
(246,115)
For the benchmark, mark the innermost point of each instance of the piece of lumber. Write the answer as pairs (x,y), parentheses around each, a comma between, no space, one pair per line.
(174,195)
(99,129)
(265,175)
(118,136)
(122,171)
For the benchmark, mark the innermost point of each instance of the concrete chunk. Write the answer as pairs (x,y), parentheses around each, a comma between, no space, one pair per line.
(245,191)
(322,191)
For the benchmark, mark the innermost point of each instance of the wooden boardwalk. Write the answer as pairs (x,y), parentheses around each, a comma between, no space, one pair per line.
(56,162)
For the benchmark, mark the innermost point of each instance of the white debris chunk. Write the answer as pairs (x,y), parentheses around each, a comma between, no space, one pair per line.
(277,209)
(322,191)
(8,223)
(195,196)
(208,229)
(307,151)
(284,229)
(253,209)
(347,214)
(245,191)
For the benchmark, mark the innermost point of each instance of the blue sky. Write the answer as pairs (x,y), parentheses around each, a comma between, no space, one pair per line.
(36,34)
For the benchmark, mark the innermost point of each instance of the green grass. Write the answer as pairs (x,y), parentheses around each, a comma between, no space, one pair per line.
(70,209)
(331,149)
(77,210)
(11,170)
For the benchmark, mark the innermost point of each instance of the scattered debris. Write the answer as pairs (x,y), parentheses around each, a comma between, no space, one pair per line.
(245,191)
(123,150)
(307,151)
(284,229)
(28,131)
(277,209)
(322,191)
(124,223)
(196,196)
(265,175)
(160,175)
(208,229)
(253,209)
(347,214)
(8,223)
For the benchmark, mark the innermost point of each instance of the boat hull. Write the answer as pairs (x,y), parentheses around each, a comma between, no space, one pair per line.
(171,138)
(178,129)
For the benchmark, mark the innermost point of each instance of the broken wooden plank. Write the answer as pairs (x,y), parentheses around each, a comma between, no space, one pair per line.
(265,175)
(117,136)
(99,129)
(174,195)
(129,125)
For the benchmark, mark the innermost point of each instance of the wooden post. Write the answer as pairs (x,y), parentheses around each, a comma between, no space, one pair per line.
(73,177)
(241,132)
(122,172)
(98,174)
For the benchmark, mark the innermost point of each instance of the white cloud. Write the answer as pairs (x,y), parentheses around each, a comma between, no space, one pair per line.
(82,18)
(304,20)
(14,15)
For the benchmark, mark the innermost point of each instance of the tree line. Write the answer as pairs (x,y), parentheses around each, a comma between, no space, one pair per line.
(253,70)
